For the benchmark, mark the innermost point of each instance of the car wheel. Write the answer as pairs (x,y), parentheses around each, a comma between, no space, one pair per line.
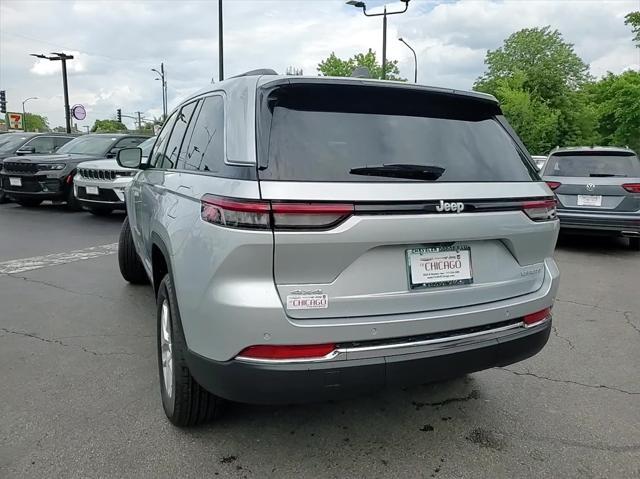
(185,402)
(29,202)
(634,243)
(3,197)
(72,202)
(130,264)
(100,211)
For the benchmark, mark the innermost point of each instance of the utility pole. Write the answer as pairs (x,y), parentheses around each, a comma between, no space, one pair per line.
(24,113)
(415,60)
(163,79)
(220,43)
(139,113)
(62,57)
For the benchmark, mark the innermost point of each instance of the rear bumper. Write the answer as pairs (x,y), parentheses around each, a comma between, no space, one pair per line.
(608,222)
(260,383)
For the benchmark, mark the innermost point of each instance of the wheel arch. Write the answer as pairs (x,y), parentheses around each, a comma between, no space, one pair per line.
(160,261)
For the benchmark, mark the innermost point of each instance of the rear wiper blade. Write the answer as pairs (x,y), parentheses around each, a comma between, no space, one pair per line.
(604,175)
(400,170)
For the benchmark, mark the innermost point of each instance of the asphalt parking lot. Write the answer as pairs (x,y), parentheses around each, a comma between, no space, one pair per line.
(79,394)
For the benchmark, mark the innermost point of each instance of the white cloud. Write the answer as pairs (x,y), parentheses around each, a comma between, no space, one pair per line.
(117,43)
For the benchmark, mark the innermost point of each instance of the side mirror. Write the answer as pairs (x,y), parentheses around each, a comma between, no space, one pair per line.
(26,150)
(129,157)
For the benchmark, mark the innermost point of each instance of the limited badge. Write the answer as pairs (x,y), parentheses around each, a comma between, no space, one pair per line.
(307,301)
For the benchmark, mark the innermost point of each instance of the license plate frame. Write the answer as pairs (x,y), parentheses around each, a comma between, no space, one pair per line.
(589,200)
(440,278)
(92,190)
(15,181)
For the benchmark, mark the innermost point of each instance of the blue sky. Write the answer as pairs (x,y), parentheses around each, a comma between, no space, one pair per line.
(117,43)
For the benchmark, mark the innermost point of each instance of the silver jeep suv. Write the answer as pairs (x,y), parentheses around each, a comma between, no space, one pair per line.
(313,238)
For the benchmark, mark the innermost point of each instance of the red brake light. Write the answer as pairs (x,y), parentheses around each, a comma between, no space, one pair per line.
(308,351)
(553,184)
(309,215)
(256,214)
(540,210)
(235,213)
(537,317)
(632,187)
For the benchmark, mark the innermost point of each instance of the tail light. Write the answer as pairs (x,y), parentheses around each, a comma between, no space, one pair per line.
(269,352)
(553,184)
(235,213)
(542,210)
(537,317)
(632,187)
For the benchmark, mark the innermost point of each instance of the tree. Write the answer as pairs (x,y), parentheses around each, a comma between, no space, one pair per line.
(615,102)
(108,126)
(33,122)
(535,68)
(633,19)
(550,66)
(336,67)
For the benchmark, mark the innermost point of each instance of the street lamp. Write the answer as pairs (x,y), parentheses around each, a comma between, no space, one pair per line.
(62,57)
(163,79)
(24,113)
(415,61)
(384,14)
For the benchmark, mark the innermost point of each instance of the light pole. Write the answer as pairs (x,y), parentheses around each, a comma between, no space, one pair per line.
(415,60)
(220,48)
(384,14)
(24,113)
(163,79)
(62,57)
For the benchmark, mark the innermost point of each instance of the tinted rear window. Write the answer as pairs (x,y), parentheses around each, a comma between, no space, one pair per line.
(325,132)
(593,165)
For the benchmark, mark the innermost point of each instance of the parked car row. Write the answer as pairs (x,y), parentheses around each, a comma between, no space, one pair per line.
(81,172)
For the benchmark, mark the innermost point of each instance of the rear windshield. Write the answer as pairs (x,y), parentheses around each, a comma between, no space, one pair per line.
(354,133)
(593,165)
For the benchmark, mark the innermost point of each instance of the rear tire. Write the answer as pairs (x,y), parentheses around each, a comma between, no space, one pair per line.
(131,267)
(72,202)
(184,401)
(3,197)
(100,211)
(29,202)
(634,243)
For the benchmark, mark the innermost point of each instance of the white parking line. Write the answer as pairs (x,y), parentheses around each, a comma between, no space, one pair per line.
(28,264)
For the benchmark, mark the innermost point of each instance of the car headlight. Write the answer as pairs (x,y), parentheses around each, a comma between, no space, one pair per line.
(51,166)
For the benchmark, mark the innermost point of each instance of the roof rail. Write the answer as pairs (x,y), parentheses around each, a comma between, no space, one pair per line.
(259,71)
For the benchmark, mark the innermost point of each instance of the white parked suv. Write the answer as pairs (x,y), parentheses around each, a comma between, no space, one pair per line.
(99,184)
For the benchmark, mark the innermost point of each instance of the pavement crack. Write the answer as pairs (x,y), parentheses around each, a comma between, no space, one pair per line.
(568,381)
(627,317)
(65,345)
(56,286)
(565,339)
(474,394)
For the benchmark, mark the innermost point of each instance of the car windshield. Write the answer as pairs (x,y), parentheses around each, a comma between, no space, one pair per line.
(146,145)
(367,134)
(593,165)
(10,142)
(88,145)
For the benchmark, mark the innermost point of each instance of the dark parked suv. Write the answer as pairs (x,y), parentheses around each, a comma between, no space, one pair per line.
(32,179)
(17,144)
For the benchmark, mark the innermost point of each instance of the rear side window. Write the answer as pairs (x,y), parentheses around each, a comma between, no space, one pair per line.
(172,157)
(58,141)
(161,144)
(203,147)
(354,133)
(590,164)
(42,144)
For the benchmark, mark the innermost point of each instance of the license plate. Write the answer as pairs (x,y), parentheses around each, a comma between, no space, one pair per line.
(15,181)
(436,266)
(589,200)
(92,190)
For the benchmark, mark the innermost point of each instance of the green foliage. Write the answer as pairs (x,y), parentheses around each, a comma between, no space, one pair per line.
(108,126)
(539,78)
(33,122)
(336,67)
(616,104)
(633,19)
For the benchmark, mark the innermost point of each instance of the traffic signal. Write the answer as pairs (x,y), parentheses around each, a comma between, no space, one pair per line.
(119,115)
(3,101)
